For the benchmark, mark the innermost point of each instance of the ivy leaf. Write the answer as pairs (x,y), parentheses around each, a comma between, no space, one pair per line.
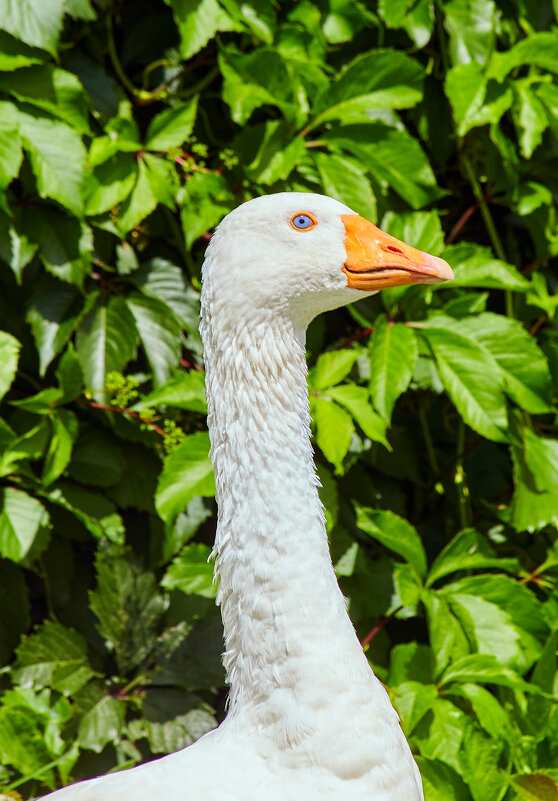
(357,401)
(37,24)
(535,467)
(15,247)
(393,354)
(159,278)
(466,551)
(535,787)
(102,718)
(9,352)
(57,157)
(198,21)
(191,572)
(53,656)
(24,525)
(187,472)
(171,127)
(140,202)
(52,89)
(110,182)
(184,391)
(106,340)
(64,427)
(393,157)
(472,379)
(10,144)
(420,229)
(128,607)
(334,429)
(269,152)
(441,782)
(54,314)
(15,54)
(15,605)
(537,50)
(65,244)
(331,368)
(207,198)
(474,265)
(377,80)
(343,180)
(395,533)
(159,332)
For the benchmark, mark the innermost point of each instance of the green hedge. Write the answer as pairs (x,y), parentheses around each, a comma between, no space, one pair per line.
(127,130)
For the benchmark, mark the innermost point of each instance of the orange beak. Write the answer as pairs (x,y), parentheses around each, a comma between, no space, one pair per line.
(375,260)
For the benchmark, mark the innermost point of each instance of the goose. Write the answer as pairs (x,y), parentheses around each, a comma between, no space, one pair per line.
(306,714)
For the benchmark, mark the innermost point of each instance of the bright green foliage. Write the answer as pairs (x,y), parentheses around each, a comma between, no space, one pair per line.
(127,131)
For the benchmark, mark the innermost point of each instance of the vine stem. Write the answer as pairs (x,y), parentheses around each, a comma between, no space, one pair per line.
(459,478)
(108,408)
(124,80)
(488,221)
(428,439)
(382,624)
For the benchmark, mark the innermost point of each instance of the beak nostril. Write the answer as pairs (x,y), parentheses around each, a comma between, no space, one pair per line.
(394,249)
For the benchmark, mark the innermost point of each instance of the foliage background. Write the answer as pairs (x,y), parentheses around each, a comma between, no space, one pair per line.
(127,130)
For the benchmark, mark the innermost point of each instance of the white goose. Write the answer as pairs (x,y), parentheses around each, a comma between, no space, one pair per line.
(307,716)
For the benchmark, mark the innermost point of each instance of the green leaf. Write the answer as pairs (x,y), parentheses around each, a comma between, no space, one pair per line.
(535,468)
(471,26)
(54,314)
(262,77)
(475,100)
(110,182)
(140,202)
(64,431)
(344,180)
(184,391)
(417,18)
(41,403)
(37,24)
(473,381)
(376,80)
(537,50)
(441,782)
(9,353)
(331,368)
(490,714)
(269,152)
(172,720)
(53,656)
(159,332)
(187,472)
(15,248)
(334,429)
(159,278)
(69,375)
(198,21)
(468,550)
(102,721)
(53,90)
(106,340)
(207,198)
(395,533)
(483,669)
(22,742)
(24,525)
(357,401)
(191,572)
(474,265)
(96,458)
(129,608)
(420,229)
(93,510)
(393,355)
(479,760)
(531,118)
(171,127)
(393,157)
(15,54)
(413,700)
(10,144)
(65,244)
(526,376)
(57,157)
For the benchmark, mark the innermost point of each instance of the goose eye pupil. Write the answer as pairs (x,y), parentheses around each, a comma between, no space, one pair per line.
(303,221)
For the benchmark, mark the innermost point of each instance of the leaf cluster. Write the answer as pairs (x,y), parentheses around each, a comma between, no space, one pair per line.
(128,128)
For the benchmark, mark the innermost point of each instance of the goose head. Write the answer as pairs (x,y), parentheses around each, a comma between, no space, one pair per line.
(303,253)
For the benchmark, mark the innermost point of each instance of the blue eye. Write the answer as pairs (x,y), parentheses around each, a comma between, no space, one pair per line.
(303,221)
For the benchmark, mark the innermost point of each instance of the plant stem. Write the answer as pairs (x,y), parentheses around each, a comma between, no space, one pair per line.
(489,223)
(123,78)
(460,479)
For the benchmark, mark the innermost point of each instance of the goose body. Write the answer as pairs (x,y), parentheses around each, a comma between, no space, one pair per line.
(307,716)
